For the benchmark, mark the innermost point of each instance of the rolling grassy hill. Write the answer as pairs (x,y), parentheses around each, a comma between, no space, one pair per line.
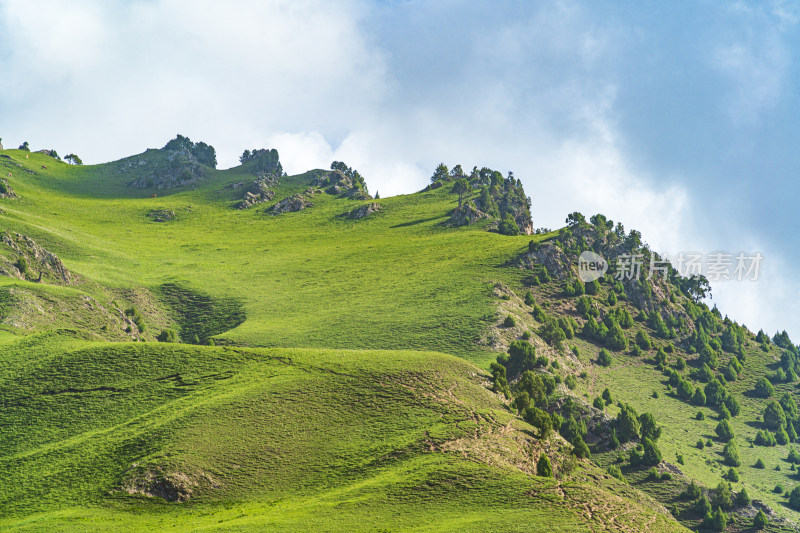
(332,372)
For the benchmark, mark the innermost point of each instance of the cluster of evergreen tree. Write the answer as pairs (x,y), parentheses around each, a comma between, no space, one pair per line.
(781,422)
(204,153)
(608,332)
(499,197)
(267,161)
(351,173)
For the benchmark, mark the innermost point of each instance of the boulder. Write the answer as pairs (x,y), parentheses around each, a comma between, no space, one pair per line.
(466,216)
(161,215)
(258,192)
(363,211)
(291,204)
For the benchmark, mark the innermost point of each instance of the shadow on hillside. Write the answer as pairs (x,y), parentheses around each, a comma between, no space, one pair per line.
(415,222)
(199,315)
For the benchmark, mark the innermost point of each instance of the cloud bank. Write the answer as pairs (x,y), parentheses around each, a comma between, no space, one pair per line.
(671,127)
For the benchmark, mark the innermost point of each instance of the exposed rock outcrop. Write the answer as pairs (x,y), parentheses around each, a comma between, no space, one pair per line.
(363,211)
(468,214)
(185,164)
(337,183)
(5,189)
(291,204)
(131,164)
(172,486)
(22,258)
(161,215)
(259,191)
(181,169)
(552,257)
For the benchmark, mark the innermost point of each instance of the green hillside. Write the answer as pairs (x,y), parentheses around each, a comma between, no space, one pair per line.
(334,367)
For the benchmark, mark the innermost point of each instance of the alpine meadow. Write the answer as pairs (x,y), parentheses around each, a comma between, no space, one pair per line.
(186,348)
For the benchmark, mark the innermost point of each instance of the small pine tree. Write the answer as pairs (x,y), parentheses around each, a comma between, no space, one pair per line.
(723,498)
(651,455)
(760,521)
(742,498)
(724,431)
(692,491)
(529,298)
(543,467)
(604,358)
(720,520)
(581,450)
(613,441)
(794,498)
(608,398)
(731,454)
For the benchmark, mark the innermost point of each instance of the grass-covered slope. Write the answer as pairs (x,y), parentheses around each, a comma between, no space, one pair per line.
(394,280)
(332,370)
(249,439)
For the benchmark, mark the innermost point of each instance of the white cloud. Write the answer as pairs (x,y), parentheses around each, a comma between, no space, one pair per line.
(101,81)
(756,60)
(531,90)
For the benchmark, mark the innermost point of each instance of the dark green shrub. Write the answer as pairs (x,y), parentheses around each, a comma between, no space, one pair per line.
(167,335)
(692,492)
(723,498)
(642,340)
(628,423)
(581,450)
(651,454)
(760,521)
(543,467)
(742,498)
(774,417)
(731,454)
(724,431)
(22,265)
(508,226)
(764,388)
(614,471)
(529,298)
(540,420)
(765,438)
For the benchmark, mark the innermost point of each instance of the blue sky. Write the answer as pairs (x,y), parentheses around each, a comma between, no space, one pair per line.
(679,119)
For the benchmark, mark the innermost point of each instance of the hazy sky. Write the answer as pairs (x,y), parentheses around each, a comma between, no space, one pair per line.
(680,119)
